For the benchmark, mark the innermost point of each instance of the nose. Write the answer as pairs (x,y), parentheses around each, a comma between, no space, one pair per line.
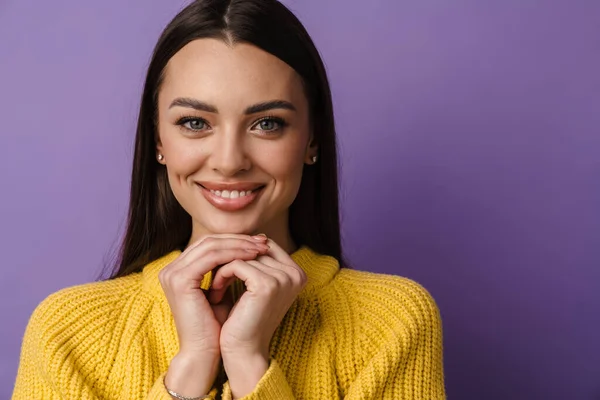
(228,156)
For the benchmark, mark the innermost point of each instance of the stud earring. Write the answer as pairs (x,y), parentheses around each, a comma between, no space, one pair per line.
(314,159)
(161,157)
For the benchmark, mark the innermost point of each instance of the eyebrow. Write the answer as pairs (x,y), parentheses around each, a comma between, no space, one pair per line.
(256,108)
(270,105)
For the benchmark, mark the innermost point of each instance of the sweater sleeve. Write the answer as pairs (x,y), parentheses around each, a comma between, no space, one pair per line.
(33,381)
(47,368)
(158,391)
(65,352)
(390,340)
(272,386)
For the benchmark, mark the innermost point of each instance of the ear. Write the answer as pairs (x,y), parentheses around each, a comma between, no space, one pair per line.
(159,152)
(312,150)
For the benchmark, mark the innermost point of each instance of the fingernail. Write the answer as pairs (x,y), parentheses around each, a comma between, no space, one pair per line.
(261,237)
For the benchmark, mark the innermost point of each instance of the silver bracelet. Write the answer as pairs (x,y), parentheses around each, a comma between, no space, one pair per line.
(180,397)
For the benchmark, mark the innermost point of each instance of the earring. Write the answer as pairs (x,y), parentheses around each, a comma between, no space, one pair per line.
(314,159)
(161,157)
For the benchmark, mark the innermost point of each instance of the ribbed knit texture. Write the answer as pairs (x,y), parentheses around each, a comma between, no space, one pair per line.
(350,334)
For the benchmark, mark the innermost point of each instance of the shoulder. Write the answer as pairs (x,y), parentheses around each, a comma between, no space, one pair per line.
(368,307)
(69,323)
(384,326)
(383,293)
(85,301)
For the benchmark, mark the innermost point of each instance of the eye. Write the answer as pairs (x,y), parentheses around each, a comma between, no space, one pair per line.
(269,124)
(193,123)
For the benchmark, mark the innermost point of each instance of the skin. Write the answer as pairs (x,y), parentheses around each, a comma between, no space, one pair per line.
(230,145)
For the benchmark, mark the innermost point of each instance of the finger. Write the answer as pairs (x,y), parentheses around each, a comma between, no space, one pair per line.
(251,239)
(221,284)
(210,252)
(254,279)
(278,253)
(274,267)
(270,261)
(205,238)
(191,273)
(285,276)
(293,270)
(217,292)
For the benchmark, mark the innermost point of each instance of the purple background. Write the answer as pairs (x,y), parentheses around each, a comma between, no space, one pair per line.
(470,134)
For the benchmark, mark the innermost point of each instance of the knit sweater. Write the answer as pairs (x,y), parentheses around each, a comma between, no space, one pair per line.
(350,334)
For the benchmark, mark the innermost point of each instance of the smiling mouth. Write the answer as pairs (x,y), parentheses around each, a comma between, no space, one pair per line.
(233,194)
(231,199)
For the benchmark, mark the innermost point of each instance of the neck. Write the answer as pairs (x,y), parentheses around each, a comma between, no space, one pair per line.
(283,239)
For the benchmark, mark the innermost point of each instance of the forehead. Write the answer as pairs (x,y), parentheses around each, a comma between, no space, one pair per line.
(231,75)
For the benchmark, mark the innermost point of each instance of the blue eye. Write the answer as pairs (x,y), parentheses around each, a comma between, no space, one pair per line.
(269,124)
(192,123)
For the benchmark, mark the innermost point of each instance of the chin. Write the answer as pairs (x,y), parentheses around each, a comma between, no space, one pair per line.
(235,227)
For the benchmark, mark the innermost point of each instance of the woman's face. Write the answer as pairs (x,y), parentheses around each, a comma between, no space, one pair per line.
(233,127)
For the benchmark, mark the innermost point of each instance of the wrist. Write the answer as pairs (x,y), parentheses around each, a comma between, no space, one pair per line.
(192,375)
(244,371)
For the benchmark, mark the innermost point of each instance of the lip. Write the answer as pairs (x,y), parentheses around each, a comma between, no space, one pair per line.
(240,186)
(230,204)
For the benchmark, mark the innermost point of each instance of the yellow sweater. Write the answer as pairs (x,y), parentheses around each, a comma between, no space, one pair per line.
(350,334)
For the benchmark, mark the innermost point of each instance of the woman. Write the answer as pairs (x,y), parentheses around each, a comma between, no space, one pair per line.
(229,283)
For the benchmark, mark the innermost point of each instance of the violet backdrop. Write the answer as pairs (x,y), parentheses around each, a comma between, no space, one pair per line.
(470,148)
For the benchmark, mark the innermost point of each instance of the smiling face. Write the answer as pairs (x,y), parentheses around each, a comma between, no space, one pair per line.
(234,133)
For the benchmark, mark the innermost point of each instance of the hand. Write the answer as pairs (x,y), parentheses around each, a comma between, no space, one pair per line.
(273,282)
(194,369)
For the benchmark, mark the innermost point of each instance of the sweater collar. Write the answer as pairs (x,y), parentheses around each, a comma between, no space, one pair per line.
(320,269)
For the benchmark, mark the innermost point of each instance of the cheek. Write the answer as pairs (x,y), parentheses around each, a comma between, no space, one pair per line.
(287,171)
(285,167)
(182,159)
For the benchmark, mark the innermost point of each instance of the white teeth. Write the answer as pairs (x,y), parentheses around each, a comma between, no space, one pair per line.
(234,194)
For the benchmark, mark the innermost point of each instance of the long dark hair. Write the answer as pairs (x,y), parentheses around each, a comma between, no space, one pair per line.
(157,224)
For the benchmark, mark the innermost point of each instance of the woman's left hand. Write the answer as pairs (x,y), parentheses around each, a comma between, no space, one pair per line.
(273,282)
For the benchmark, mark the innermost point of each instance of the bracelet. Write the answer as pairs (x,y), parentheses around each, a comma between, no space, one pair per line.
(180,397)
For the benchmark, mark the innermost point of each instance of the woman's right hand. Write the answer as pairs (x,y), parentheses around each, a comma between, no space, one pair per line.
(193,370)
